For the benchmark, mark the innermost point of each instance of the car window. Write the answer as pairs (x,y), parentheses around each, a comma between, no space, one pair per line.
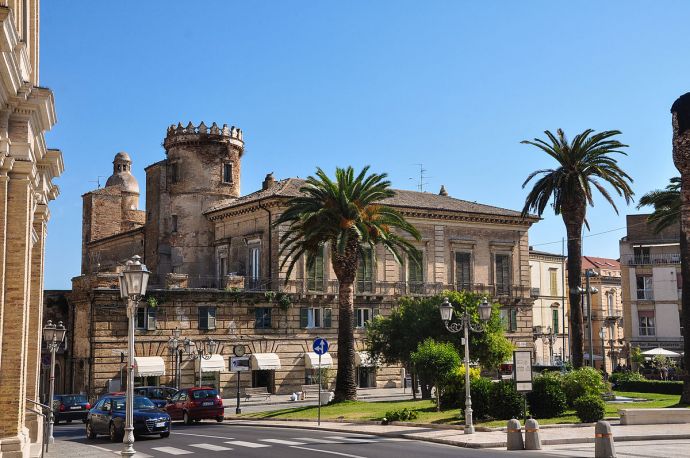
(99,405)
(106,405)
(204,394)
(170,391)
(176,397)
(73,399)
(140,392)
(140,402)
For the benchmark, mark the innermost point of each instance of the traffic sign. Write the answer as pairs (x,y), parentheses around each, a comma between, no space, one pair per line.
(239,363)
(320,346)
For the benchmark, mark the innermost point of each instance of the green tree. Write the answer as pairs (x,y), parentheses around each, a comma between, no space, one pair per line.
(666,203)
(393,339)
(347,214)
(434,363)
(585,163)
(636,358)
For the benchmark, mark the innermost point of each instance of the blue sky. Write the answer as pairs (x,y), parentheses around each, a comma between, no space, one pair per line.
(452,85)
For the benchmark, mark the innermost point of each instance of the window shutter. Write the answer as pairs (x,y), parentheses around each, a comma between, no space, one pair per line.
(303,317)
(141,318)
(513,319)
(211,318)
(151,323)
(203,317)
(327,317)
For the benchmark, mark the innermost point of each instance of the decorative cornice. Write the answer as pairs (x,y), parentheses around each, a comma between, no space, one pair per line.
(177,135)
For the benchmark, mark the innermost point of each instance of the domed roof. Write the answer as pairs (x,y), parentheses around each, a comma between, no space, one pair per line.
(122,176)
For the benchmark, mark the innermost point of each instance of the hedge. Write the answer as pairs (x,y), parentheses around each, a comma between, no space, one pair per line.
(650,386)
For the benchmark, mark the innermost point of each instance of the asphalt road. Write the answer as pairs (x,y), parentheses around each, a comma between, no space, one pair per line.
(210,439)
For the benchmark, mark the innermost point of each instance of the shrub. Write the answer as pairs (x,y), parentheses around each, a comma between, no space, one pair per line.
(404,414)
(582,382)
(547,398)
(504,401)
(618,377)
(650,386)
(453,389)
(434,363)
(590,408)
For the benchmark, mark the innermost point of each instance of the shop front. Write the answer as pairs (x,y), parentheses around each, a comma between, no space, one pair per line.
(264,366)
(148,370)
(208,370)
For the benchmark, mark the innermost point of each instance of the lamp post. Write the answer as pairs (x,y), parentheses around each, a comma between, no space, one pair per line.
(200,352)
(133,281)
(54,336)
(238,350)
(465,325)
(174,344)
(602,335)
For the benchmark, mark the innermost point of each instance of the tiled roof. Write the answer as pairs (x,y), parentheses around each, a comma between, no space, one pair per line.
(590,262)
(412,199)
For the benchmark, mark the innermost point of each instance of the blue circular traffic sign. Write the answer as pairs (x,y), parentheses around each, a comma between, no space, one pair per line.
(320,346)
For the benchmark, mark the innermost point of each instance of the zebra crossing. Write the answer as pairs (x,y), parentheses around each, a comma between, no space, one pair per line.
(236,445)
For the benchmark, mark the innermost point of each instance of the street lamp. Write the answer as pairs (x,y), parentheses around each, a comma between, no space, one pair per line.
(203,351)
(602,335)
(549,337)
(465,325)
(133,281)
(54,336)
(176,352)
(589,290)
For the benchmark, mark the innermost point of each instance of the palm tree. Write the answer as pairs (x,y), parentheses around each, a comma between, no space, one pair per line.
(584,163)
(666,203)
(347,214)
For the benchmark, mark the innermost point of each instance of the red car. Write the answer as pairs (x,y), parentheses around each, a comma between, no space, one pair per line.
(194,404)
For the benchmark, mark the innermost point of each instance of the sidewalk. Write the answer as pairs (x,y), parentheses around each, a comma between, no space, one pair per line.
(551,435)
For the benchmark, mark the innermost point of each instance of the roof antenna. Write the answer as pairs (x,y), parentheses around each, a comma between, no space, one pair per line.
(97,181)
(422,178)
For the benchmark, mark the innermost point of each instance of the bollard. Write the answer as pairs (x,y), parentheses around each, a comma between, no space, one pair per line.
(532,440)
(603,440)
(515,435)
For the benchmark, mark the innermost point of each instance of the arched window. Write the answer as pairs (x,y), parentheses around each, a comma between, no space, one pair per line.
(609,302)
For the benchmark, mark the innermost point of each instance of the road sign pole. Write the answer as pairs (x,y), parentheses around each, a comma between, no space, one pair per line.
(319,414)
(238,410)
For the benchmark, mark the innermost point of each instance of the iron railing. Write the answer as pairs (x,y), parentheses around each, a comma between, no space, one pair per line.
(648,259)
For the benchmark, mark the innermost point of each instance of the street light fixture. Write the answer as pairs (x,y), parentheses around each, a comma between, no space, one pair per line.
(200,351)
(174,344)
(133,282)
(602,335)
(54,336)
(466,325)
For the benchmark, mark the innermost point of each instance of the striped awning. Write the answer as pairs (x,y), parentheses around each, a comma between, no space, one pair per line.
(264,361)
(215,363)
(311,360)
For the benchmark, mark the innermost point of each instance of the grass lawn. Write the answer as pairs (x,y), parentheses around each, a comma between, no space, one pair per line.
(358,410)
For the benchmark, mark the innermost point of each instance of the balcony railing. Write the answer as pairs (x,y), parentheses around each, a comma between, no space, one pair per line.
(645,295)
(650,259)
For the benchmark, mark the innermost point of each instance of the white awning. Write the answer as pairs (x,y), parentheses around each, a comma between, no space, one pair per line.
(215,363)
(148,366)
(264,361)
(363,359)
(311,360)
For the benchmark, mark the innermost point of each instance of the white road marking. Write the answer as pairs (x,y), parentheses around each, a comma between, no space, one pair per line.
(282,441)
(172,450)
(211,447)
(247,444)
(330,452)
(314,440)
(353,440)
(202,435)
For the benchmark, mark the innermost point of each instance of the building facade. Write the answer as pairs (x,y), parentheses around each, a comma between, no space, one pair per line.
(652,285)
(216,273)
(549,312)
(27,170)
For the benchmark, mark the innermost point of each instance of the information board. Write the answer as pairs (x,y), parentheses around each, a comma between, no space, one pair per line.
(522,370)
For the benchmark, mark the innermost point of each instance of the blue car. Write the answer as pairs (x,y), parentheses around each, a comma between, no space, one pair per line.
(108,417)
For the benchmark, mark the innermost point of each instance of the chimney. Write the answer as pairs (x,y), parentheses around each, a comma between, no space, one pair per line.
(269,181)
(443,191)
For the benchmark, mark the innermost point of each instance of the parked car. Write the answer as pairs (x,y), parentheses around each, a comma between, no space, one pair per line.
(108,417)
(197,403)
(70,407)
(160,395)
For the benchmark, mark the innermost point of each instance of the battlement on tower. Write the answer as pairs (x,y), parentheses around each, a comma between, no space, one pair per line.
(180,134)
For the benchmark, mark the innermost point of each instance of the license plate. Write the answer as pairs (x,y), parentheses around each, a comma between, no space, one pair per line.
(75,408)
(208,403)
(160,424)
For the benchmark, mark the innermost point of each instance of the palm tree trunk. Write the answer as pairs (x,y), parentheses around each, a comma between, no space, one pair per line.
(573,227)
(345,386)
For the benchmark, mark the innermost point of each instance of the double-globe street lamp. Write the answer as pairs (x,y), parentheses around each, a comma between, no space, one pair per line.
(589,290)
(176,349)
(466,325)
(133,281)
(200,351)
(54,336)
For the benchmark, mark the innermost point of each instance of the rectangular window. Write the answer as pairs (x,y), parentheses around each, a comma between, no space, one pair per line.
(554,321)
(647,323)
(679,284)
(553,277)
(644,287)
(502,262)
(363,316)
(463,271)
(315,272)
(174,172)
(415,277)
(227,173)
(207,317)
(173,223)
(509,319)
(254,267)
(641,255)
(263,318)
(315,317)
(365,271)
(146,318)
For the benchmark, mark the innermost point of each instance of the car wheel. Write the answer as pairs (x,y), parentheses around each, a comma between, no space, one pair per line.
(187,421)
(90,434)
(114,436)
(69,421)
(164,435)
(220,419)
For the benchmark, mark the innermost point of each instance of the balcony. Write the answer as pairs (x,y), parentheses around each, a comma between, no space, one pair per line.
(651,259)
(645,295)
